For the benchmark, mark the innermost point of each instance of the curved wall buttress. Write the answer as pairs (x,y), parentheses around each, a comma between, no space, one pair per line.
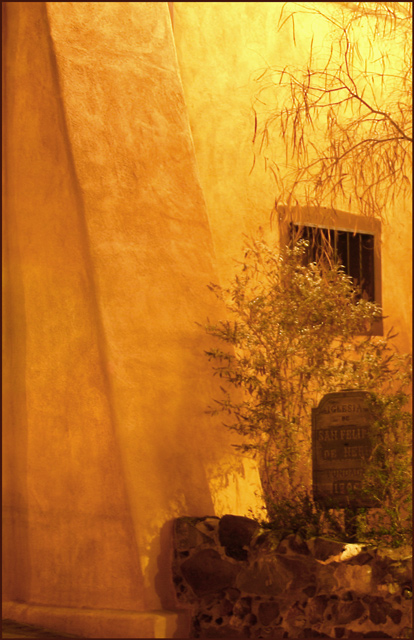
(109,253)
(64,499)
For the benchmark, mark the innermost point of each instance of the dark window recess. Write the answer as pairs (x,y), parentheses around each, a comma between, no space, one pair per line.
(355,251)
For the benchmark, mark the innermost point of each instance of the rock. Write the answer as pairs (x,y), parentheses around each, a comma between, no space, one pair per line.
(232,594)
(226,607)
(186,536)
(353,577)
(236,533)
(402,553)
(377,613)
(295,618)
(242,607)
(266,540)
(206,572)
(326,581)
(350,551)
(361,558)
(287,588)
(311,633)
(395,615)
(316,608)
(323,548)
(268,611)
(345,612)
(293,545)
(265,577)
(310,591)
(302,569)
(223,632)
(209,527)
(402,571)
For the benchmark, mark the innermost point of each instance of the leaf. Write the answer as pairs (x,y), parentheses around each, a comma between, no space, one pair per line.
(311,49)
(255,126)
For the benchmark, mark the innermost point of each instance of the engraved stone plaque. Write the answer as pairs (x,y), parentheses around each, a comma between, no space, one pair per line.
(341,447)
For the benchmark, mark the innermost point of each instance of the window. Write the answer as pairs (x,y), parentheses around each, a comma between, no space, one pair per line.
(354,250)
(356,241)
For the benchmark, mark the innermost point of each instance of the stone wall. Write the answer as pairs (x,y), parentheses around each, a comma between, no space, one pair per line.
(240,581)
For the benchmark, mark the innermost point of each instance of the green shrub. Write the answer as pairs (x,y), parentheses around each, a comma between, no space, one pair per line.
(297,332)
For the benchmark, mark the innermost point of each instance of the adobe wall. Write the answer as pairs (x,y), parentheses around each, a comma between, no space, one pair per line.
(222,48)
(107,257)
(114,224)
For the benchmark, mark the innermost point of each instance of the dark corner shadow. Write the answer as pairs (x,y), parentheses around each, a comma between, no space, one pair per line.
(164,583)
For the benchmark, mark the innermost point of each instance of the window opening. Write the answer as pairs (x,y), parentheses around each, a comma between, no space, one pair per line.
(355,251)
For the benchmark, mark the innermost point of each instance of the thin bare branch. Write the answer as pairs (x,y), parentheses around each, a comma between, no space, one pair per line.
(361,149)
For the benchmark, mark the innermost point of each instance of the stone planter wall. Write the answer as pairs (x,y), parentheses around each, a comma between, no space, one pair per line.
(240,582)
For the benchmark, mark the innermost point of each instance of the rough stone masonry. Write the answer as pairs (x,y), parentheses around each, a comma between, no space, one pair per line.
(242,582)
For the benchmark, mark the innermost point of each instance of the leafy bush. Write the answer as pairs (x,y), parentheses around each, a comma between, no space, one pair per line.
(297,332)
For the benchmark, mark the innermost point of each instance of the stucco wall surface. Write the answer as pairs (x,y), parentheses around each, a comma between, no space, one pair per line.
(107,251)
(116,217)
(397,283)
(223,49)
(61,458)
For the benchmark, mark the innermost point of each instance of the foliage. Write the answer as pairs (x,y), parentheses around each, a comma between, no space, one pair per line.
(298,331)
(344,118)
(300,514)
(389,475)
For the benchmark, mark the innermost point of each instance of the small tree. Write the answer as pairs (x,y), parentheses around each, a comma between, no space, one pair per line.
(299,331)
(345,118)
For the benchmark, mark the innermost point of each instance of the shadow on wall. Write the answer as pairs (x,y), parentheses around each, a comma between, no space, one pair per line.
(15,541)
(15,544)
(164,580)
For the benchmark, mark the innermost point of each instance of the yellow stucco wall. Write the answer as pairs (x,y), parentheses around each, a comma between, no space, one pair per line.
(108,254)
(222,48)
(114,224)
